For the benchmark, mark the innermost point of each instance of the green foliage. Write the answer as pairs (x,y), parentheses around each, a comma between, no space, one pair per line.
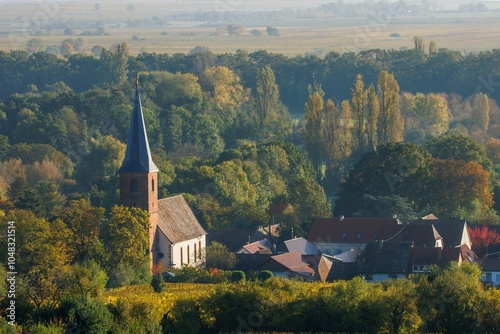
(238,276)
(85,280)
(125,274)
(158,283)
(218,256)
(86,315)
(399,169)
(459,148)
(264,275)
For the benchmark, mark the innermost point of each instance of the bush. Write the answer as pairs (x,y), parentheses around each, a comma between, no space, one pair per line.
(237,276)
(86,316)
(395,35)
(45,329)
(265,275)
(158,283)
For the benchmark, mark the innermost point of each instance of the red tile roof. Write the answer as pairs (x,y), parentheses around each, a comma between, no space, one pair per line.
(348,230)
(289,262)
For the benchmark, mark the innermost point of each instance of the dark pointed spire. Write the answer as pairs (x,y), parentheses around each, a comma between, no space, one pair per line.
(138,156)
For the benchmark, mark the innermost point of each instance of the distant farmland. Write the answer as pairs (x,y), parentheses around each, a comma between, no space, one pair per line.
(470,32)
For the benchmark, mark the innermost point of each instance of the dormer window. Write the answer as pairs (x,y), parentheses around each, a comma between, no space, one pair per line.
(343,235)
(358,236)
(134,187)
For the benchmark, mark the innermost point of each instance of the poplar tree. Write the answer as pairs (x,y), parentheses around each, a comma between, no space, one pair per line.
(346,144)
(359,104)
(267,95)
(390,122)
(331,135)
(312,133)
(373,109)
(480,111)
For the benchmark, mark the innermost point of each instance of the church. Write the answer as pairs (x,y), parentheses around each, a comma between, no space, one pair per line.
(176,238)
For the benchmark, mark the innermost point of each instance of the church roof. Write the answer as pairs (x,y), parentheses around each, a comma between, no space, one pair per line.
(137,156)
(177,221)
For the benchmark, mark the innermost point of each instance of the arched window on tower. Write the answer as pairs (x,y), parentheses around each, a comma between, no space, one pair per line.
(152,184)
(134,186)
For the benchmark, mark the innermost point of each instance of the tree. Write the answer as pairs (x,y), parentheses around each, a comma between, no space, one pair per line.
(480,111)
(272,31)
(83,222)
(267,95)
(390,123)
(85,280)
(481,238)
(419,43)
(218,256)
(458,148)
(313,127)
(455,185)
(235,30)
(400,169)
(425,116)
(373,109)
(331,138)
(359,105)
(115,63)
(126,236)
(432,48)
(346,142)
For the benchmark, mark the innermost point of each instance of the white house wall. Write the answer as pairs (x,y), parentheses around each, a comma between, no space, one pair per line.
(172,253)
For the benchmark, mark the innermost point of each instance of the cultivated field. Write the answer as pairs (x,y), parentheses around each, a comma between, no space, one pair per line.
(468,32)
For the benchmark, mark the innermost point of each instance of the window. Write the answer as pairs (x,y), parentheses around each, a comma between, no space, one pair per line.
(152,184)
(393,276)
(199,250)
(369,277)
(195,253)
(182,257)
(358,236)
(420,268)
(134,187)
(188,256)
(488,277)
(343,235)
(161,255)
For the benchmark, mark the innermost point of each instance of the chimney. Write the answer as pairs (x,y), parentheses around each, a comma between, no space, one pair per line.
(342,218)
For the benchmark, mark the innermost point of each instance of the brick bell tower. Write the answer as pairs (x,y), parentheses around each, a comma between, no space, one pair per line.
(138,173)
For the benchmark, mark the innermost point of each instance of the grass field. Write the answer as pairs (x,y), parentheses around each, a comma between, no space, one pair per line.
(470,32)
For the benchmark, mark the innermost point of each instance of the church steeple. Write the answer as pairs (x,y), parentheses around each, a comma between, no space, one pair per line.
(137,156)
(138,173)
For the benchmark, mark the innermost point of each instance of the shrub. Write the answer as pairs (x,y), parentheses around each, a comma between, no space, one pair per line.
(86,316)
(265,275)
(158,283)
(395,35)
(237,276)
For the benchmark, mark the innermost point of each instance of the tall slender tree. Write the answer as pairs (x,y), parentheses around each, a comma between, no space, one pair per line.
(267,95)
(359,104)
(391,124)
(373,109)
(331,136)
(346,144)
(313,126)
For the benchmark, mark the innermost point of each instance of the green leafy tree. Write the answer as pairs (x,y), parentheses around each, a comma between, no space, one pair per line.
(85,280)
(218,256)
(458,148)
(400,169)
(83,223)
(126,236)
